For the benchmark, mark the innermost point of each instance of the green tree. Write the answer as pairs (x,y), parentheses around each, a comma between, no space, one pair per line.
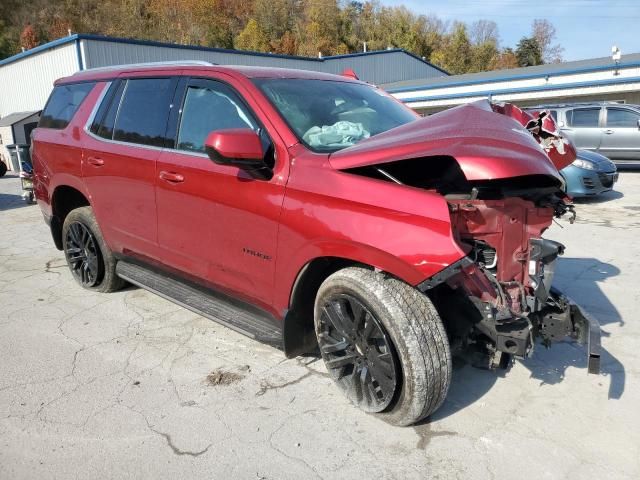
(455,53)
(528,52)
(252,38)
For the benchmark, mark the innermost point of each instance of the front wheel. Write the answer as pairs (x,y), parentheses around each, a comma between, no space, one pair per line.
(384,344)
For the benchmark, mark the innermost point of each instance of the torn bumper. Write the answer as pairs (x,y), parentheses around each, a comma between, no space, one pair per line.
(587,332)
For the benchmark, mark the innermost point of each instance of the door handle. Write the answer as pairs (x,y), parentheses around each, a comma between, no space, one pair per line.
(95,161)
(171,177)
(608,131)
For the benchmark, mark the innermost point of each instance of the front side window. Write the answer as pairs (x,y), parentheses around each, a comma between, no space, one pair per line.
(63,104)
(622,118)
(144,111)
(328,115)
(208,106)
(584,117)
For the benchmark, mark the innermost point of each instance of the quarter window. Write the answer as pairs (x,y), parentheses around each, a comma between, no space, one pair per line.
(144,110)
(106,114)
(619,117)
(208,106)
(63,104)
(584,117)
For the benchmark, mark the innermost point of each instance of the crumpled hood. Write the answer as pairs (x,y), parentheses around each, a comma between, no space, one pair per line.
(487,145)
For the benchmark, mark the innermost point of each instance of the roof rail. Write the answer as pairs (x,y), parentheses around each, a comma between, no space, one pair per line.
(575,104)
(177,63)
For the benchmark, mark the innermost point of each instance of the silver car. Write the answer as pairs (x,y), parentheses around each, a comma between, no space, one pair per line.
(611,129)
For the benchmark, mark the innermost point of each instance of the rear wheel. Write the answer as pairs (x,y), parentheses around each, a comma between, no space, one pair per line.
(384,344)
(91,262)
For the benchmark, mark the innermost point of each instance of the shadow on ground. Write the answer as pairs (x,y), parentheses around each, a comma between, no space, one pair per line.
(549,365)
(11,201)
(603,197)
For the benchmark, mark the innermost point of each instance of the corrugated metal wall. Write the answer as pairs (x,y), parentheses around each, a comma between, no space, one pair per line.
(103,53)
(380,68)
(377,68)
(26,83)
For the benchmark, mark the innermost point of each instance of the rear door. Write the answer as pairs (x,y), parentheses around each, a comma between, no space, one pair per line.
(583,127)
(215,222)
(621,134)
(123,143)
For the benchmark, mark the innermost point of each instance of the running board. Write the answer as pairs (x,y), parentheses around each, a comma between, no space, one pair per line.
(212,305)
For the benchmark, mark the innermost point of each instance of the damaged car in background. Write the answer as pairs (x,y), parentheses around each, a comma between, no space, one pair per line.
(315,212)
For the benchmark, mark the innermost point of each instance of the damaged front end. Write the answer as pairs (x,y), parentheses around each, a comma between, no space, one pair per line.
(507,300)
(497,168)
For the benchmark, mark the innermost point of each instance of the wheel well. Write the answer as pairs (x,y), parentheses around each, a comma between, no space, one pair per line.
(299,332)
(64,200)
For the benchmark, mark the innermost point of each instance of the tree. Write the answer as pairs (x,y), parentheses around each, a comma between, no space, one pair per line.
(528,52)
(504,60)
(317,29)
(544,32)
(484,31)
(455,54)
(484,39)
(252,38)
(7,47)
(28,37)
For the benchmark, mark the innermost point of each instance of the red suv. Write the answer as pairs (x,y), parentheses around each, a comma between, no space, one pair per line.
(315,213)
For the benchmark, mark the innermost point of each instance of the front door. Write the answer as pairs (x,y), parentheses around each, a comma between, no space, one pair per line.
(621,139)
(583,127)
(215,222)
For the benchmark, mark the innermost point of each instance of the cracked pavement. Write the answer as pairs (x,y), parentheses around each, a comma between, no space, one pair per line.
(118,385)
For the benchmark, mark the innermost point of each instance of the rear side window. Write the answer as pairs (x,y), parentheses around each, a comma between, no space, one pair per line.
(583,117)
(622,118)
(144,110)
(63,104)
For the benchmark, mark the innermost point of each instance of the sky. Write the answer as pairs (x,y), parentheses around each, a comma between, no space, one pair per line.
(585,28)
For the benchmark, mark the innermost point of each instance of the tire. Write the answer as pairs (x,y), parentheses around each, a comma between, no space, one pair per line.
(411,342)
(3,168)
(84,245)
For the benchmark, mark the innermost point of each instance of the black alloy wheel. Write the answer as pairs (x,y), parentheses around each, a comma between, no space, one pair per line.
(83,255)
(358,352)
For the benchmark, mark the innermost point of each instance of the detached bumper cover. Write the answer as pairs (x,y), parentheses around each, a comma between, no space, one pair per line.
(587,330)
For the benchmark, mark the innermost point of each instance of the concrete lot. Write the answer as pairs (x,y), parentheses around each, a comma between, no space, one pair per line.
(128,385)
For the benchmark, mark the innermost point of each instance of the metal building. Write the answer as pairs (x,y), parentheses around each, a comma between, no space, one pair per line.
(597,79)
(26,79)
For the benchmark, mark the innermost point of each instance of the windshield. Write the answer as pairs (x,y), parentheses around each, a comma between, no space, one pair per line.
(329,115)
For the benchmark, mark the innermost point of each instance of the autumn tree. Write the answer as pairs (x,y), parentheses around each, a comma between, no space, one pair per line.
(28,38)
(504,60)
(252,38)
(294,27)
(318,28)
(545,33)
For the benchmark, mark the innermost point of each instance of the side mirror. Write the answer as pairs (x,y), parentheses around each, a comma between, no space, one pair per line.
(240,147)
